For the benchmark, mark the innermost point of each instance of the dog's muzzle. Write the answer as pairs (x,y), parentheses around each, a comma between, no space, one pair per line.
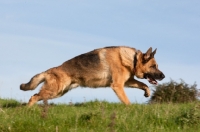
(153,77)
(162,76)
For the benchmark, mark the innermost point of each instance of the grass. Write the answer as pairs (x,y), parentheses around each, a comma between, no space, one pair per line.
(98,116)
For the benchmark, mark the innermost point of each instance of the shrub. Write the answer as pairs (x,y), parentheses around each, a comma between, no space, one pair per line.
(174,92)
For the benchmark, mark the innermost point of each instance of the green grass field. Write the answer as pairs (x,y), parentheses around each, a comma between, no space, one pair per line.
(98,116)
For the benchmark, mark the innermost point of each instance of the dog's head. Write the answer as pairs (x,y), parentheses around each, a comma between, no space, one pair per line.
(146,67)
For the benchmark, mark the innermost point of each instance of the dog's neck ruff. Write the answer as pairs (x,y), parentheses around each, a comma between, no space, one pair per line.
(135,61)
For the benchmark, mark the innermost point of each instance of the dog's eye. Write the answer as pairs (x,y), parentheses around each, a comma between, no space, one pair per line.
(154,66)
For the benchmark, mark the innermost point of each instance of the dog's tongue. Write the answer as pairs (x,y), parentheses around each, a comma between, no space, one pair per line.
(152,81)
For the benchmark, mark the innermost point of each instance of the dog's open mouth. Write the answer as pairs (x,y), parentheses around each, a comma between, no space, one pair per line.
(151,79)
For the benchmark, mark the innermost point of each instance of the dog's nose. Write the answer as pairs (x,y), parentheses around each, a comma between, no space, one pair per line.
(162,75)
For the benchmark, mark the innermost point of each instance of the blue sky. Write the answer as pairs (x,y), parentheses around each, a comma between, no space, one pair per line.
(37,35)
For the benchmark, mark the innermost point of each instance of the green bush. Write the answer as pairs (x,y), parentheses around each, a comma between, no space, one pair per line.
(174,92)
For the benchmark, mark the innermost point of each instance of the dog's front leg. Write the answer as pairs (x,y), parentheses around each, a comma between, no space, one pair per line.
(119,90)
(137,84)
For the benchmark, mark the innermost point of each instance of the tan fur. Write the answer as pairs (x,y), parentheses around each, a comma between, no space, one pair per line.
(109,66)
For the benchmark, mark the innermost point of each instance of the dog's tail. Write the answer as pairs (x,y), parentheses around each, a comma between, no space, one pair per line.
(34,82)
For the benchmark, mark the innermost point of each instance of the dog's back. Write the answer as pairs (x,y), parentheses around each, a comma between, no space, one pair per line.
(94,69)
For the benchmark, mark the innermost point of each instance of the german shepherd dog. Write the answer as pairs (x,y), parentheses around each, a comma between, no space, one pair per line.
(110,66)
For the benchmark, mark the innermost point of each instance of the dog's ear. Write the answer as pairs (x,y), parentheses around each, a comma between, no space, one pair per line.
(148,54)
(153,53)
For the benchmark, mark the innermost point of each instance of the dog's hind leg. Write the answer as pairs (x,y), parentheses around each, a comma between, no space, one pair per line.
(44,94)
(35,98)
(53,87)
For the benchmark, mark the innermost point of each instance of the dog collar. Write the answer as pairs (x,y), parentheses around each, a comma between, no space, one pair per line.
(135,61)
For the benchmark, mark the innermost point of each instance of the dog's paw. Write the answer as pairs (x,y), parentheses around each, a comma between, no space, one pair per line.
(147,93)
